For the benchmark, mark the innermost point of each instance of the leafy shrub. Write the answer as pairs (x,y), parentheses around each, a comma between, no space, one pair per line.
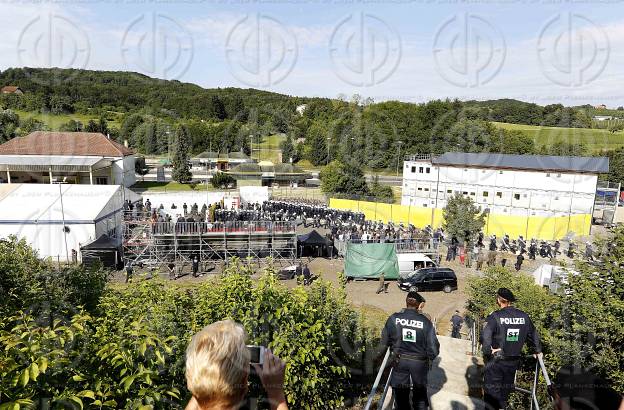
(129,352)
(222,180)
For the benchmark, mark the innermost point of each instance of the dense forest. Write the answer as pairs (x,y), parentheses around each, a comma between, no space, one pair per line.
(146,111)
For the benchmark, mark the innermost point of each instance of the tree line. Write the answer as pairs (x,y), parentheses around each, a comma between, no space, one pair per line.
(372,135)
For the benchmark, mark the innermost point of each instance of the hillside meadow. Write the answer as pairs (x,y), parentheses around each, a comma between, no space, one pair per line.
(594,139)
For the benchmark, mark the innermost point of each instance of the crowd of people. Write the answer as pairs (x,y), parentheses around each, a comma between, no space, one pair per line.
(490,250)
(342,225)
(348,226)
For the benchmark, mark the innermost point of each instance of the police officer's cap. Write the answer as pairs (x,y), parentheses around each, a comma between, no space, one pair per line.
(506,294)
(416,296)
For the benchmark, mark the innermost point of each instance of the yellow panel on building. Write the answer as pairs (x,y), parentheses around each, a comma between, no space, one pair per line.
(541,227)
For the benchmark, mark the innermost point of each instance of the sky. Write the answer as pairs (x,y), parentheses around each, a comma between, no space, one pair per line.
(543,51)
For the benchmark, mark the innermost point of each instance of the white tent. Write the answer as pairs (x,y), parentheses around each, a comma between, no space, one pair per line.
(38,213)
(551,276)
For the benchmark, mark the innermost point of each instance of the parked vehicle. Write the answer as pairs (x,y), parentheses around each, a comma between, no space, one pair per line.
(289,272)
(409,262)
(429,279)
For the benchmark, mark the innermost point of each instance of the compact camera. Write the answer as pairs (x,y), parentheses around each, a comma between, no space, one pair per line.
(256,354)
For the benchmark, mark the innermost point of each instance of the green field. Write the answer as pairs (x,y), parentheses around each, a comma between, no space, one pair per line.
(54,122)
(268,149)
(593,139)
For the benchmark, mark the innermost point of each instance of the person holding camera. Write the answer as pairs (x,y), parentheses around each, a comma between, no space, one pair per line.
(217,368)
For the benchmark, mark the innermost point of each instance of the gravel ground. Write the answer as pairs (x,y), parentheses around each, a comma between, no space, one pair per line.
(440,306)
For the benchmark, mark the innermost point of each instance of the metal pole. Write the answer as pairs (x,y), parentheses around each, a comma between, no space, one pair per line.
(540,360)
(64,229)
(369,402)
(328,141)
(398,157)
(380,404)
(533,394)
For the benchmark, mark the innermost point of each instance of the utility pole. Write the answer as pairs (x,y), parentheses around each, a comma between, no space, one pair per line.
(64,227)
(328,142)
(398,157)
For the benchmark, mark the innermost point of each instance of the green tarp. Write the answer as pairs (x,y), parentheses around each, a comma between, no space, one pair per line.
(369,260)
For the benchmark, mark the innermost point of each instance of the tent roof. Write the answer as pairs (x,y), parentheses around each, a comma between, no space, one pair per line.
(64,143)
(311,238)
(103,242)
(44,163)
(41,202)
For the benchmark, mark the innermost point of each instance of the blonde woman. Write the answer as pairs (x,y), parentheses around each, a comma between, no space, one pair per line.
(217,368)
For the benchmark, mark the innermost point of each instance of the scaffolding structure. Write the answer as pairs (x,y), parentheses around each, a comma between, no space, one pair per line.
(427,246)
(156,243)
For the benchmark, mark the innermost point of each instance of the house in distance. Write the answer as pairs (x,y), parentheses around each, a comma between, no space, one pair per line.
(11,89)
(66,157)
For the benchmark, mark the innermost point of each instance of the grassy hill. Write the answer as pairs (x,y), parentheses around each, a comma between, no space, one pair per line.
(269,148)
(70,90)
(594,139)
(54,121)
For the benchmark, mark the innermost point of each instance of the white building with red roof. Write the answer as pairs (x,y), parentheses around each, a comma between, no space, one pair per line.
(66,157)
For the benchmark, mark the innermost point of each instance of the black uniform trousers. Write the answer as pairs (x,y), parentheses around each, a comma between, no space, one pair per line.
(410,373)
(498,383)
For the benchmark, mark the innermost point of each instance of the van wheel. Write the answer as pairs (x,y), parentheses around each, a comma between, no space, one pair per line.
(414,289)
(447,289)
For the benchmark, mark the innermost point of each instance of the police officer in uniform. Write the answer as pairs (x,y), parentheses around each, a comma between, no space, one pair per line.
(414,345)
(505,332)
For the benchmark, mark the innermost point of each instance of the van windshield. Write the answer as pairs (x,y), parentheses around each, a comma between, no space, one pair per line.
(407,275)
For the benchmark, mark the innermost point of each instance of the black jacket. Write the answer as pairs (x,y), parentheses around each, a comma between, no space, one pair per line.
(410,332)
(508,329)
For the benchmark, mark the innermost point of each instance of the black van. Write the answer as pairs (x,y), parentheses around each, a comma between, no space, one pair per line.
(429,279)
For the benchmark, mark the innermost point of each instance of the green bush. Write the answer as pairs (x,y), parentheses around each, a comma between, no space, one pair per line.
(531,298)
(222,180)
(580,326)
(129,351)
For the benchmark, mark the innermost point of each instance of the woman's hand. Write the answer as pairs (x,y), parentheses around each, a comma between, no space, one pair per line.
(272,374)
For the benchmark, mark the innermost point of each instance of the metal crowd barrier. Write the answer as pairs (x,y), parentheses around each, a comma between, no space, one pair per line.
(194,228)
(402,245)
(539,367)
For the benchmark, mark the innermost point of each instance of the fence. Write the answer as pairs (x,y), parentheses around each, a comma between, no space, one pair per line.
(426,246)
(547,227)
(306,194)
(206,228)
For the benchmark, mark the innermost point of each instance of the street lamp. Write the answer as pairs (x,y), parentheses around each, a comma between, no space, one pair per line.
(328,141)
(251,146)
(398,157)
